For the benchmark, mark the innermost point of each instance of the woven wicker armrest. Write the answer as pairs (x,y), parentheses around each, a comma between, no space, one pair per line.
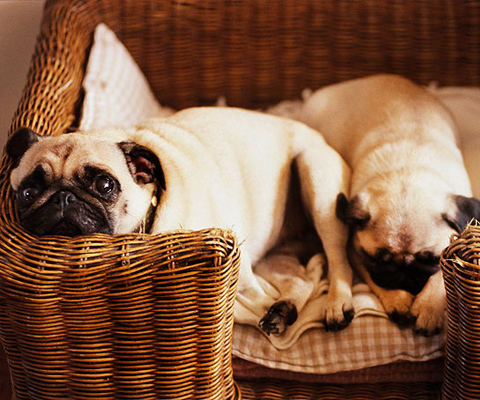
(119,317)
(51,99)
(461,271)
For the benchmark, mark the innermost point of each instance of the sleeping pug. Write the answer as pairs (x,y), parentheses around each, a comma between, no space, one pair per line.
(409,189)
(200,168)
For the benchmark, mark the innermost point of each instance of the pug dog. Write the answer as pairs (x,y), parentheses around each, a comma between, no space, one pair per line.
(200,168)
(409,189)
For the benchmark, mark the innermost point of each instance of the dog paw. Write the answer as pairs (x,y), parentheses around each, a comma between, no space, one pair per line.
(338,314)
(403,320)
(278,317)
(397,305)
(336,325)
(430,318)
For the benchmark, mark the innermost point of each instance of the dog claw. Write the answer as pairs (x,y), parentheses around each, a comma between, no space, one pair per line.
(278,317)
(335,326)
(349,314)
(403,320)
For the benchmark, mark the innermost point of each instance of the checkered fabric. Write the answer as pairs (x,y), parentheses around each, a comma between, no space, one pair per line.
(371,339)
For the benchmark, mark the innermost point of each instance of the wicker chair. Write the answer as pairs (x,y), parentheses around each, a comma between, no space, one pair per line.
(150,317)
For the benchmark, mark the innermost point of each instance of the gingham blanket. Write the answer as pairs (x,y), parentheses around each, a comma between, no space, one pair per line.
(371,339)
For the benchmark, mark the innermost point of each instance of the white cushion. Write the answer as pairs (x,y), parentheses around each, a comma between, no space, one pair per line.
(117,93)
(464,104)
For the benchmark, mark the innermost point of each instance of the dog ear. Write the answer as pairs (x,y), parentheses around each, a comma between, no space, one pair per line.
(144,165)
(468,208)
(352,213)
(21,140)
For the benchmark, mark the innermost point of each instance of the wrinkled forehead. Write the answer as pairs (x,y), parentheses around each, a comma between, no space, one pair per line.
(410,239)
(370,240)
(63,157)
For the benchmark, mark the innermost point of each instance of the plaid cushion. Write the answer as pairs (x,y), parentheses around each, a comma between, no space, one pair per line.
(371,339)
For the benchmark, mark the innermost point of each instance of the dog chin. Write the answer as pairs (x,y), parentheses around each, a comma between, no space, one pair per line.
(409,276)
(69,223)
(65,227)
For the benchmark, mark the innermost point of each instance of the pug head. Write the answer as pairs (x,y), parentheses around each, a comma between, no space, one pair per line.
(400,237)
(79,184)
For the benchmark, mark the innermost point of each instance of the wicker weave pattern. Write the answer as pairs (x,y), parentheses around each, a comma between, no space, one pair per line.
(113,318)
(150,317)
(461,268)
(254,52)
(280,390)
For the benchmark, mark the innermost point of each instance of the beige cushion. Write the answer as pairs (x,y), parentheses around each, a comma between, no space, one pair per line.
(116,91)
(371,339)
(464,104)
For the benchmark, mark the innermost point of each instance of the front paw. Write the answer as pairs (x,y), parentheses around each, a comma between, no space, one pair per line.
(278,317)
(403,320)
(397,305)
(430,317)
(338,313)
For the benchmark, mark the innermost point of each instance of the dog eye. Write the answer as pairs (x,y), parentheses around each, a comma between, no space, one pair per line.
(104,184)
(383,255)
(367,257)
(29,194)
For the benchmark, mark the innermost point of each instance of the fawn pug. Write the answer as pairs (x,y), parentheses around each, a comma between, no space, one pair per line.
(409,189)
(199,168)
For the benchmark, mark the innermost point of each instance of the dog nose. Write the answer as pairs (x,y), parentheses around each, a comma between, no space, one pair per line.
(63,198)
(403,259)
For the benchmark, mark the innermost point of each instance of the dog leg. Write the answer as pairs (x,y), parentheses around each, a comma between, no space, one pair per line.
(323,175)
(254,294)
(295,283)
(429,307)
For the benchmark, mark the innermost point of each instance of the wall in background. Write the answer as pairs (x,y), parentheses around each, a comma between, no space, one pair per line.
(19,27)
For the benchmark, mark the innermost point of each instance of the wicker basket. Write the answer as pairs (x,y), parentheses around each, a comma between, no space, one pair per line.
(150,317)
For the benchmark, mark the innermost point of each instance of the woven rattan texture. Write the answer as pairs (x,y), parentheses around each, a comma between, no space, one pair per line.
(461,269)
(150,317)
(120,317)
(281,390)
(254,52)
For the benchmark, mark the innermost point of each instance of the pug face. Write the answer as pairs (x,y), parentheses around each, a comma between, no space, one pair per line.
(77,184)
(399,239)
